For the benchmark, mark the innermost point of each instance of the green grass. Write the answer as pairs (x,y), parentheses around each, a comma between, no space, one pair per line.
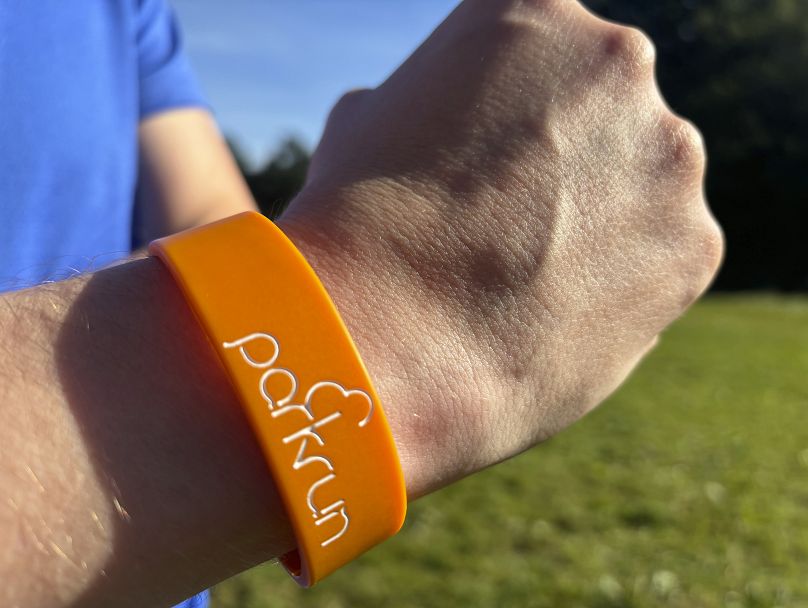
(689,488)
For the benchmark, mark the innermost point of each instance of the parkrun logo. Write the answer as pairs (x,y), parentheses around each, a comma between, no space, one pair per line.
(312,425)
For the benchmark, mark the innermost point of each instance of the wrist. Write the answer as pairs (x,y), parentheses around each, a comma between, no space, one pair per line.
(290,359)
(373,309)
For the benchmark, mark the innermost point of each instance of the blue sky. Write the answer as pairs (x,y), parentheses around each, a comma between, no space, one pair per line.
(273,68)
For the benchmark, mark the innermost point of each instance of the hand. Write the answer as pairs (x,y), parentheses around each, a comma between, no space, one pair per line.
(506,224)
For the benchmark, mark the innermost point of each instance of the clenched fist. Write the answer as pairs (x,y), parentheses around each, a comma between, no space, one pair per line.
(506,224)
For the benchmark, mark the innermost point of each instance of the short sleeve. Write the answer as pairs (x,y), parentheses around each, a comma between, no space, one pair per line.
(165,77)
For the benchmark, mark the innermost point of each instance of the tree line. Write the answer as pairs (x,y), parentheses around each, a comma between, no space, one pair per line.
(739,70)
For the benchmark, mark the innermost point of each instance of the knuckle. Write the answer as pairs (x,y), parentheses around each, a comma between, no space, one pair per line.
(631,47)
(347,106)
(693,254)
(349,99)
(712,247)
(685,145)
(707,253)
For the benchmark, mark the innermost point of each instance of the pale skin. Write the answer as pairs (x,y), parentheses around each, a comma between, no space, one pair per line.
(506,225)
(187,175)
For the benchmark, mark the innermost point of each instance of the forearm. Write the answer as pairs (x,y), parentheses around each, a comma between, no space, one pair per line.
(187,176)
(129,475)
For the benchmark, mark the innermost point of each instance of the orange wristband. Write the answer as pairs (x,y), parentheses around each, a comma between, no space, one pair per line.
(302,383)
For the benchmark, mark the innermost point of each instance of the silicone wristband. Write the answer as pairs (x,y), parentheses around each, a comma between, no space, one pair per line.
(302,383)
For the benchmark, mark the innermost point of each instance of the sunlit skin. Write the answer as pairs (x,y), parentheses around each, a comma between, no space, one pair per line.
(506,226)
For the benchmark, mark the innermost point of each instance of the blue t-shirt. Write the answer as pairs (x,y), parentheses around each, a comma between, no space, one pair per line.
(76,78)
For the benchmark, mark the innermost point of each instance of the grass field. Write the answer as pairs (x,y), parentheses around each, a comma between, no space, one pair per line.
(689,488)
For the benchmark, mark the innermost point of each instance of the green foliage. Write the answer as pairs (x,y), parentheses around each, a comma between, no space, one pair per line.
(277,183)
(737,68)
(688,489)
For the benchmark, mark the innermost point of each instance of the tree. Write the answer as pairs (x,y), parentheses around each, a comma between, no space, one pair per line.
(277,183)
